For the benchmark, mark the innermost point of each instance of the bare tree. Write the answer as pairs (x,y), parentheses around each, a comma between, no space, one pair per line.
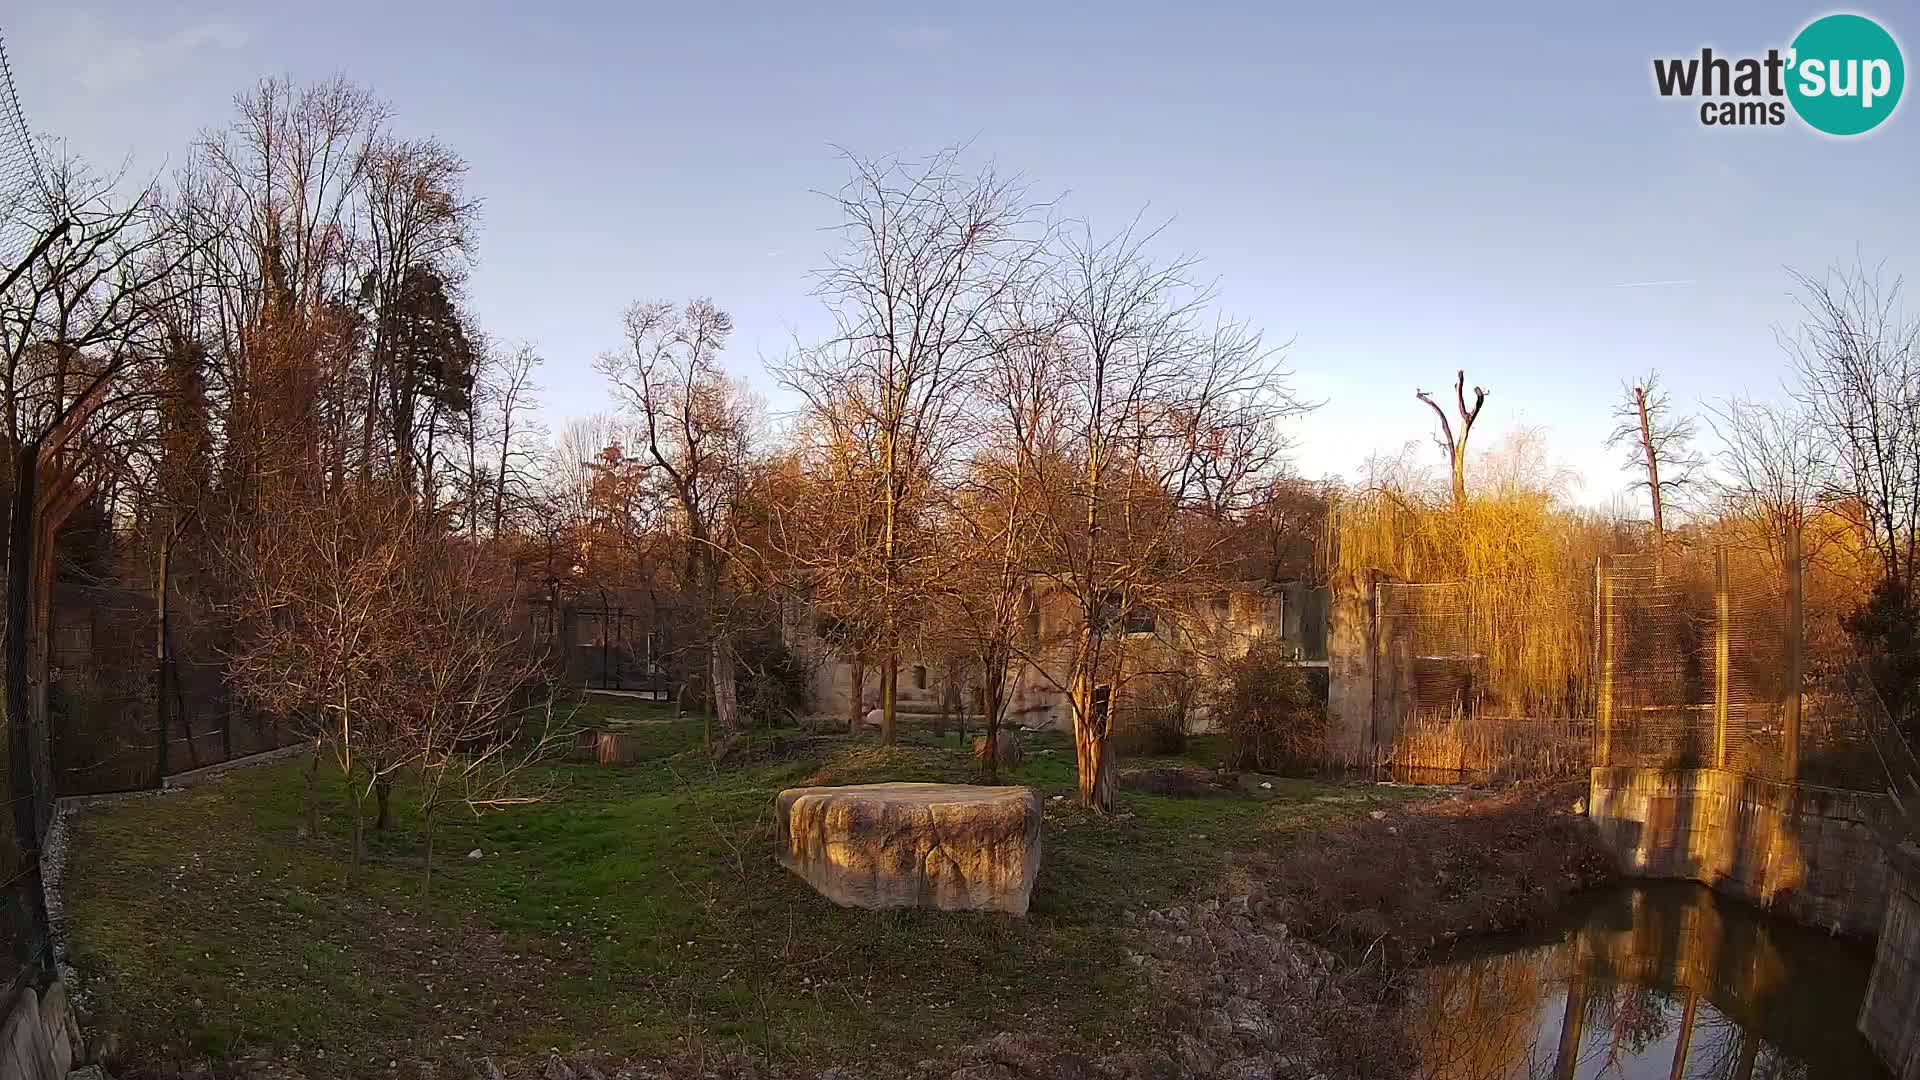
(76,349)
(929,253)
(1658,445)
(1857,356)
(1456,447)
(1151,427)
(1773,467)
(696,426)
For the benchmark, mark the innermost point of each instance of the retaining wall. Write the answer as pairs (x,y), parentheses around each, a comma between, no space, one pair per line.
(1890,1015)
(1809,853)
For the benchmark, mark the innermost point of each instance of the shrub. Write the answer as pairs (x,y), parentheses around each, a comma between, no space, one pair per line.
(1155,724)
(1266,708)
(773,682)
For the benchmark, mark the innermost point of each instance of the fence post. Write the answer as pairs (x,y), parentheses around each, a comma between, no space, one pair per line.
(1722,656)
(1603,711)
(1796,650)
(1373,666)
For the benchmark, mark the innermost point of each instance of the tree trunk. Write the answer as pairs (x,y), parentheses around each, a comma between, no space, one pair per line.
(313,791)
(161,702)
(426,881)
(357,811)
(383,804)
(1092,706)
(29,770)
(723,682)
(889,695)
(859,693)
(1653,472)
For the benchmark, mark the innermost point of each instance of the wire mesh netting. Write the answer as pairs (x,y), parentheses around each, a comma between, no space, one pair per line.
(20,176)
(1654,708)
(23,927)
(1437,709)
(1752,645)
(1715,662)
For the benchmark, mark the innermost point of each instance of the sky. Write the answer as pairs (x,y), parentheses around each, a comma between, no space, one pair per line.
(1391,191)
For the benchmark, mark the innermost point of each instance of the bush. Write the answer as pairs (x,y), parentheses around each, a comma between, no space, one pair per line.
(773,682)
(1155,725)
(1266,708)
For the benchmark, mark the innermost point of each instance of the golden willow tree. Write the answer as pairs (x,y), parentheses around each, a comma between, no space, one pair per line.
(1526,556)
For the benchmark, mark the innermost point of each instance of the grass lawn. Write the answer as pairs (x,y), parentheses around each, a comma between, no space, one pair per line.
(635,911)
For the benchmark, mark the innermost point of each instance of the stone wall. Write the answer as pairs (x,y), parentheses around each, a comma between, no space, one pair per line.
(1890,1015)
(1806,852)
(38,1037)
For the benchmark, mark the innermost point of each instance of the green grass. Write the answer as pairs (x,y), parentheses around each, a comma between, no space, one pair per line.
(633,911)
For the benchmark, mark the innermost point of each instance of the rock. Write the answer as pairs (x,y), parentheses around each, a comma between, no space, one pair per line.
(1378,815)
(1009,753)
(1033,1057)
(873,718)
(1250,1018)
(62,1030)
(741,1067)
(557,1069)
(956,847)
(476,853)
(23,1038)
(991,1070)
(1240,905)
(1249,1068)
(1194,1056)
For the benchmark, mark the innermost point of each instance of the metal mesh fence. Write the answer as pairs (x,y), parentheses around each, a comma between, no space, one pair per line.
(1654,708)
(1439,713)
(25,934)
(1712,661)
(103,698)
(1751,645)
(20,176)
(1426,641)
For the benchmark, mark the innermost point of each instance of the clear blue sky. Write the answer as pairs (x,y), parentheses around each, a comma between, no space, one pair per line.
(1399,191)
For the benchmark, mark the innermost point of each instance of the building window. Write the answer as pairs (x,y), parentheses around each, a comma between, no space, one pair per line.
(919,676)
(1138,621)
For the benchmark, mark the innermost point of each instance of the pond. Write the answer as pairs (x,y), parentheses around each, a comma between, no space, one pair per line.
(1658,981)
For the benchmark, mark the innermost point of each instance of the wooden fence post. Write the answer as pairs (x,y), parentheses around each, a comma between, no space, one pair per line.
(1796,650)
(1603,712)
(1722,656)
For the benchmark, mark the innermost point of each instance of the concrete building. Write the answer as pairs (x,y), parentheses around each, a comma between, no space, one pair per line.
(1169,650)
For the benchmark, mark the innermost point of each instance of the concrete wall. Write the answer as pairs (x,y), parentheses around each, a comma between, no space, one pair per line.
(1890,1015)
(1350,686)
(1808,853)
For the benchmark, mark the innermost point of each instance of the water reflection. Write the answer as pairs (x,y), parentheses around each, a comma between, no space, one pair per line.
(1661,982)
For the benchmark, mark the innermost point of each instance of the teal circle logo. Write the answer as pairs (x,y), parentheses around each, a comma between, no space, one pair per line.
(1845,74)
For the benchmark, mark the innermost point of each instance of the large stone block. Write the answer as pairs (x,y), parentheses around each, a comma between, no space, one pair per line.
(956,847)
